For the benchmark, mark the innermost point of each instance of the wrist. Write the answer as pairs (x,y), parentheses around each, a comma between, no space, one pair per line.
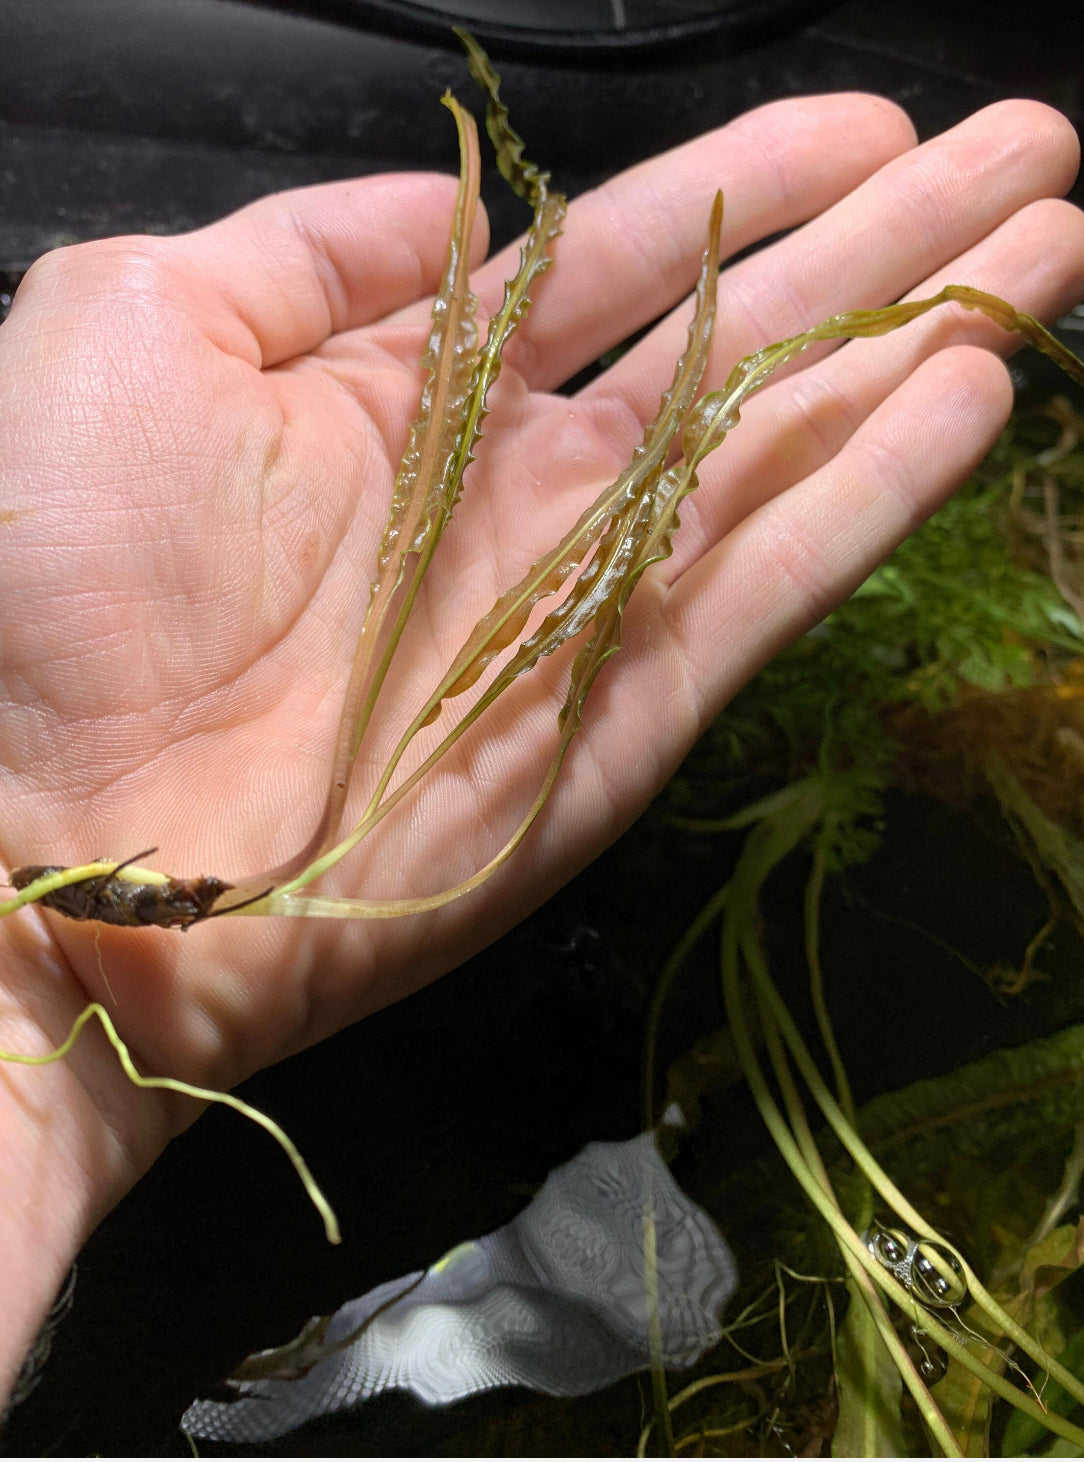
(70,1143)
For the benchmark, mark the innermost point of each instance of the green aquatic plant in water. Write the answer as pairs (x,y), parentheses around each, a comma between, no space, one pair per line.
(586,578)
(983,1144)
(953,626)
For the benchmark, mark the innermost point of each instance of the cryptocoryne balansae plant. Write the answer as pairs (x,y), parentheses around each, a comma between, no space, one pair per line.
(584,580)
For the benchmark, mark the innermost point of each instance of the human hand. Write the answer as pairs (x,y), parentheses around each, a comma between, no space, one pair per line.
(200,439)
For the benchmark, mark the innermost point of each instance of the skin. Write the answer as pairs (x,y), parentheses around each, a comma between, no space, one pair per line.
(200,437)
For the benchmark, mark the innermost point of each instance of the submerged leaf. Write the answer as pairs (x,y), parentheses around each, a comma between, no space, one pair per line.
(868,1388)
(534,259)
(1022,1435)
(966,1403)
(1055,847)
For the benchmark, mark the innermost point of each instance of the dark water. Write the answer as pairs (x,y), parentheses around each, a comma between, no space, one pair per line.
(434,1120)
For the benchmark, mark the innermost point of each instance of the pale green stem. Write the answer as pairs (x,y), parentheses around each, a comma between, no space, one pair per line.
(375,814)
(888,1190)
(199,1093)
(928,1409)
(845,1234)
(63,877)
(813,892)
(757,811)
(280,902)
(500,329)
(692,936)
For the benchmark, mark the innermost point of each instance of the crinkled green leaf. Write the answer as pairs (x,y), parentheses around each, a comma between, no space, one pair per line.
(449,359)
(549,210)
(614,512)
(524,177)
(964,1399)
(427,482)
(752,371)
(452,441)
(996,1103)
(425,489)
(534,259)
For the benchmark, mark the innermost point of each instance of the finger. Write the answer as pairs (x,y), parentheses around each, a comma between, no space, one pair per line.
(1035,259)
(915,215)
(277,278)
(801,553)
(631,248)
(302,266)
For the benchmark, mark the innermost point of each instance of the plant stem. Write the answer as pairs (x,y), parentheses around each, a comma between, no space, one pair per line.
(199,1093)
(888,1190)
(850,1244)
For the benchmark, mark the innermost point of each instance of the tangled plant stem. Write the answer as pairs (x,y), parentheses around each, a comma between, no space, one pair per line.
(779,824)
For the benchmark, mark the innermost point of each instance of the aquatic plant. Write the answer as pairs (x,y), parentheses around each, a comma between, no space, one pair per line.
(577,590)
(954,670)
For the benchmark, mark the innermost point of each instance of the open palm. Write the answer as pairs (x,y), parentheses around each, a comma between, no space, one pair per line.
(200,440)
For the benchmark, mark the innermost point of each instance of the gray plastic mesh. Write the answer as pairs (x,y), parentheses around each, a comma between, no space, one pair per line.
(554,1301)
